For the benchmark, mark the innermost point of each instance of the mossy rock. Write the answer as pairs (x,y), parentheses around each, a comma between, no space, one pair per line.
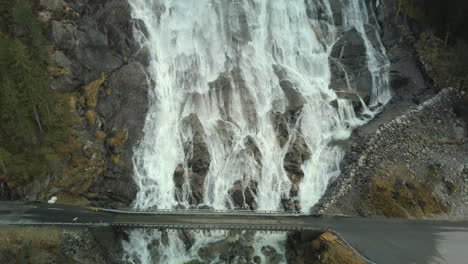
(117,143)
(101,136)
(91,116)
(394,193)
(91,91)
(328,248)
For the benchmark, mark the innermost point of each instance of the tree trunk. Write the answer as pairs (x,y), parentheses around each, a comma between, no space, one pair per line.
(38,121)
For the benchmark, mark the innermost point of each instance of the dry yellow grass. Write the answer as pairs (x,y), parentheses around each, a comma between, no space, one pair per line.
(91,91)
(330,249)
(393,193)
(16,238)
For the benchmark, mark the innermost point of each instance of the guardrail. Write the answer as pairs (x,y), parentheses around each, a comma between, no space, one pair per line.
(202,212)
(216,227)
(203,227)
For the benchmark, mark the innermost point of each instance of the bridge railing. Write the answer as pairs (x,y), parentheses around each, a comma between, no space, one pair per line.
(203,212)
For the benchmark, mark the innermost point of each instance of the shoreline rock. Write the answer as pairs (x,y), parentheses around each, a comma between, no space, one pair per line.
(422,142)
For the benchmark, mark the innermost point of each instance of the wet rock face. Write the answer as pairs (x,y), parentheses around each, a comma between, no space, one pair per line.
(244,196)
(254,150)
(281,126)
(198,162)
(238,250)
(348,62)
(228,85)
(297,154)
(294,97)
(408,77)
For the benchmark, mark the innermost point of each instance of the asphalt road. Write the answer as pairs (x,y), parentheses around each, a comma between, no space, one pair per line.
(381,240)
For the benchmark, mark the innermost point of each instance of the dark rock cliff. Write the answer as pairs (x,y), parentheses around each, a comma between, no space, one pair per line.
(94,42)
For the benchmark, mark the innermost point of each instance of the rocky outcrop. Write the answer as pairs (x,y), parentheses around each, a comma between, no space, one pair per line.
(294,97)
(224,89)
(349,69)
(298,152)
(198,158)
(315,248)
(415,165)
(410,84)
(237,248)
(244,197)
(97,58)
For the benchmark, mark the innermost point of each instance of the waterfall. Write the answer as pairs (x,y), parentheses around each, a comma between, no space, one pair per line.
(241,112)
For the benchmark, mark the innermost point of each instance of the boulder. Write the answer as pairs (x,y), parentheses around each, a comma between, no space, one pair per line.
(199,157)
(179,176)
(197,154)
(62,35)
(244,197)
(52,5)
(67,77)
(128,80)
(115,20)
(294,97)
(405,73)
(272,256)
(59,59)
(237,194)
(297,154)
(281,127)
(93,52)
(337,11)
(251,145)
(224,87)
(349,60)
(63,84)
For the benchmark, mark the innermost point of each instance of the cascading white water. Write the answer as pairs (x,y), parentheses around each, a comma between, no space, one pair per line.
(228,62)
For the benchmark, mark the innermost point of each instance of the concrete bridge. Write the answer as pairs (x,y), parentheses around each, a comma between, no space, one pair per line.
(380,240)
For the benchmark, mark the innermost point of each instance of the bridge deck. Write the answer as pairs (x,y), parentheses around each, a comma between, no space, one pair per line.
(379,239)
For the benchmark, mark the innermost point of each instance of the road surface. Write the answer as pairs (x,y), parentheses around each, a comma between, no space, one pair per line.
(381,240)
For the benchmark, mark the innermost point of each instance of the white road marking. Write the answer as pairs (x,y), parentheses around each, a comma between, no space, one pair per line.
(59,209)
